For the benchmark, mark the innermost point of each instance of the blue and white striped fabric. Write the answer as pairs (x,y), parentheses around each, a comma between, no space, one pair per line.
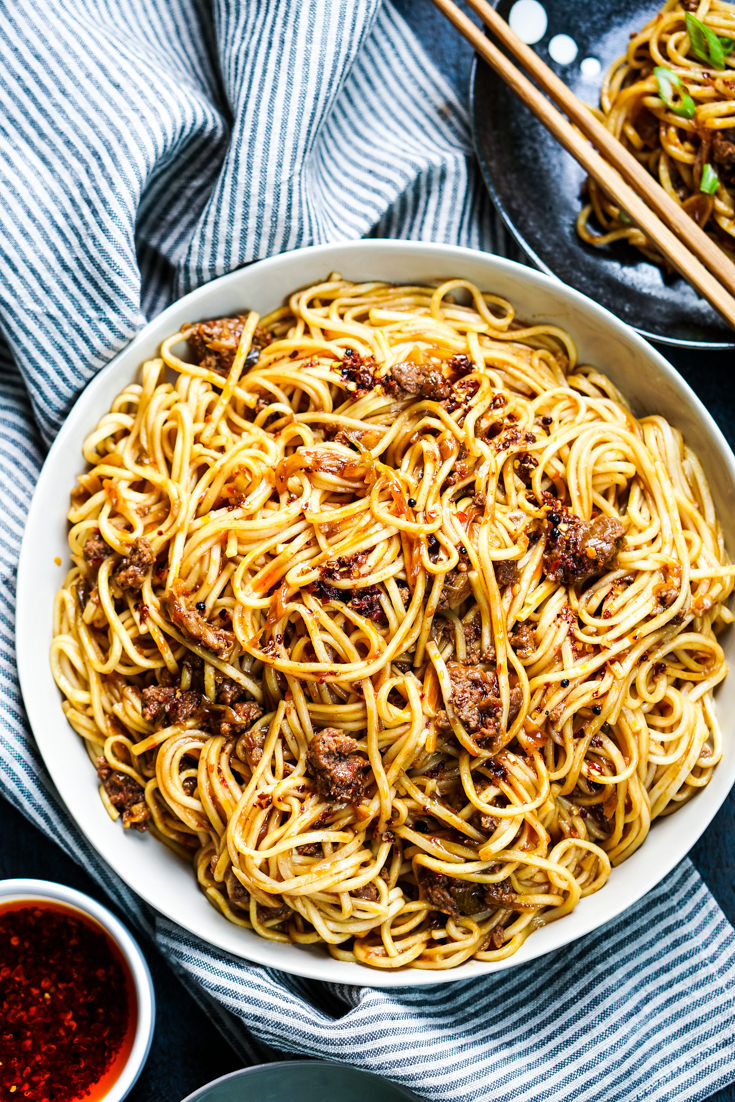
(147,146)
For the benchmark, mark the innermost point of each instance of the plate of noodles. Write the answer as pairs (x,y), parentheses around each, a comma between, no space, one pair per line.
(370,614)
(662,79)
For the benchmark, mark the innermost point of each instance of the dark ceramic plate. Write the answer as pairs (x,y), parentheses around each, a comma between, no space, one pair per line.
(535,184)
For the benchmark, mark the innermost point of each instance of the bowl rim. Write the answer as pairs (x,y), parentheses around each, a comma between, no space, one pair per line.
(199,1094)
(28,888)
(529,251)
(568,298)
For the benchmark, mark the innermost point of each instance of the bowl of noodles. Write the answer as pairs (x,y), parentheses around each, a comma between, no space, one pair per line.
(371,609)
(661,78)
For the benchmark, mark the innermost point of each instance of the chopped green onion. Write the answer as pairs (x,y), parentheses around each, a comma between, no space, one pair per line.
(623,217)
(710,180)
(707,46)
(669,86)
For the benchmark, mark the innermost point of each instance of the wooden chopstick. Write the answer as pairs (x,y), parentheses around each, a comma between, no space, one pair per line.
(691,249)
(614,151)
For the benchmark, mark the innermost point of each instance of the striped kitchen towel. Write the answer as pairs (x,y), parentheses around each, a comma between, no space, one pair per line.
(148,146)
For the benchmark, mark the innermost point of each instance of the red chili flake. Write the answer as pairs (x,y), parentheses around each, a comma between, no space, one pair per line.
(65,1005)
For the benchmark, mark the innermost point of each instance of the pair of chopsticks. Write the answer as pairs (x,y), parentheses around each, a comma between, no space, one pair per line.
(679,239)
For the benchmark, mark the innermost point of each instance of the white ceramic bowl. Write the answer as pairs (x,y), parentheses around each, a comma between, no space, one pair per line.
(164,881)
(12,891)
(307,1080)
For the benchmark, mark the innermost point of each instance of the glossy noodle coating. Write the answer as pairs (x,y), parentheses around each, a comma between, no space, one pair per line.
(393,619)
(670,99)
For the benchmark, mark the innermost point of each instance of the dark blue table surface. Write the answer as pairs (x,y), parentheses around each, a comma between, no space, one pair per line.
(188,1050)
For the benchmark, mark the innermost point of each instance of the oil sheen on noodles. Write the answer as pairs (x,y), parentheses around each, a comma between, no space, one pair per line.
(393,618)
(670,99)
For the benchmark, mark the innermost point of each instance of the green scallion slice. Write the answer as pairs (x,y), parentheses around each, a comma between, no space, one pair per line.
(706,45)
(710,180)
(673,93)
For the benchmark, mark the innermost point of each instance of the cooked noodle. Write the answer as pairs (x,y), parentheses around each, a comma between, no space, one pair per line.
(693,158)
(400,522)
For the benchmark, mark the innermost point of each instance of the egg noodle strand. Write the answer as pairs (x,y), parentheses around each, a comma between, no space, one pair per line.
(392,618)
(677,149)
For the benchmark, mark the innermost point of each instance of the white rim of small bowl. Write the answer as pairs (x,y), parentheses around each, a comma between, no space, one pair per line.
(320,260)
(22,891)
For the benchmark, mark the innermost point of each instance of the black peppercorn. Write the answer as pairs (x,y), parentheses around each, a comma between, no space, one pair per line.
(565,683)
(200,606)
(412,502)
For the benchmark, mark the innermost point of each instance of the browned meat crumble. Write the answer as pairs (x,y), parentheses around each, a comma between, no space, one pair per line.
(165,705)
(409,380)
(476,701)
(125,794)
(95,550)
(578,549)
(193,624)
(131,572)
(214,343)
(227,721)
(450,895)
(368,892)
(523,639)
(338,771)
(506,572)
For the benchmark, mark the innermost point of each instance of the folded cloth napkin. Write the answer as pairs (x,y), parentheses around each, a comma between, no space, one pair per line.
(148,146)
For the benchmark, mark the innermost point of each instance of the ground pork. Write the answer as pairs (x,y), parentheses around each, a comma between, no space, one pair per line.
(251,746)
(502,895)
(410,380)
(237,893)
(193,624)
(497,937)
(226,721)
(368,892)
(131,572)
(165,705)
(338,771)
(125,794)
(214,343)
(476,702)
(506,571)
(523,639)
(450,895)
(228,691)
(95,550)
(579,549)
(273,915)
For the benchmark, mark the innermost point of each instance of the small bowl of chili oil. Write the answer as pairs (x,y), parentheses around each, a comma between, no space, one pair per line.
(77,1006)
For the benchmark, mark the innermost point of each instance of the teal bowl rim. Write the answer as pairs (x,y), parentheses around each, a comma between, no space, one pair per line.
(199,1095)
